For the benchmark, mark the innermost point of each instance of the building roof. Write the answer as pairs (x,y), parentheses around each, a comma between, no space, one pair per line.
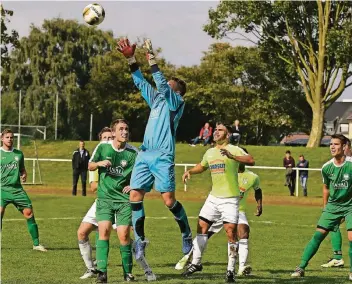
(339,109)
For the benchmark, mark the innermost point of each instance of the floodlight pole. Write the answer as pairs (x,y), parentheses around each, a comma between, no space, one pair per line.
(56,113)
(91,127)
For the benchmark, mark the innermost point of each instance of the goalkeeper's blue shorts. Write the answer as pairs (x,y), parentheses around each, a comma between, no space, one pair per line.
(154,167)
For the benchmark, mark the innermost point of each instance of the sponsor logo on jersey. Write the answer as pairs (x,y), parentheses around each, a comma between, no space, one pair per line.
(217,166)
(341,185)
(123,163)
(115,171)
(11,166)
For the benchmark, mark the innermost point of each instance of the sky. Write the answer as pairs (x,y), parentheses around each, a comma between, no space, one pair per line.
(175,26)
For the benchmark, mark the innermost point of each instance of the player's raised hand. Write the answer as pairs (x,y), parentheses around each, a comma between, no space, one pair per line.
(259,211)
(226,153)
(23,177)
(126,189)
(127,50)
(104,164)
(147,45)
(186,176)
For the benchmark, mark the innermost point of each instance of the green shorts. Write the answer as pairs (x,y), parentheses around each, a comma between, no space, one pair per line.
(119,213)
(17,197)
(331,221)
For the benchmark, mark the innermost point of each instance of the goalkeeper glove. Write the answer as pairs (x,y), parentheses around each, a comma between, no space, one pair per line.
(127,50)
(150,53)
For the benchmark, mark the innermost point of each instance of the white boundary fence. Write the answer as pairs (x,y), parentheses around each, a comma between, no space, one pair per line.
(179,165)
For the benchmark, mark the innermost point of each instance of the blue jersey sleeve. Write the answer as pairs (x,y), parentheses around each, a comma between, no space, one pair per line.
(148,92)
(173,99)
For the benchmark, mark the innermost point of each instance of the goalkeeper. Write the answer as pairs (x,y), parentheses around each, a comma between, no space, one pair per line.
(155,161)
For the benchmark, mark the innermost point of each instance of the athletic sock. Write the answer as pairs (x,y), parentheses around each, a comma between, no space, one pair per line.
(336,242)
(199,245)
(126,256)
(33,230)
(181,218)
(311,248)
(242,252)
(231,252)
(102,254)
(86,253)
(138,217)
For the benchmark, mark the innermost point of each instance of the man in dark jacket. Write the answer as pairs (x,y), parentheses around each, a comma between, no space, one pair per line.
(80,159)
(303,174)
(290,176)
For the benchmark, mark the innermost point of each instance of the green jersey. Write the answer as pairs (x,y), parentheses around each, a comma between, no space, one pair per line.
(247,181)
(113,179)
(224,171)
(339,181)
(12,164)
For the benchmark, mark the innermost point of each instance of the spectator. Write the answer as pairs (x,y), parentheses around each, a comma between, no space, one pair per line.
(80,159)
(289,163)
(205,135)
(236,133)
(303,174)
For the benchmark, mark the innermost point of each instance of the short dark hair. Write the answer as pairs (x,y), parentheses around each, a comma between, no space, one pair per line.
(181,85)
(227,126)
(5,131)
(288,152)
(301,155)
(105,129)
(344,140)
(117,121)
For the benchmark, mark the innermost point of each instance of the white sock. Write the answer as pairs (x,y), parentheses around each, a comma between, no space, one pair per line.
(242,252)
(86,253)
(142,262)
(231,252)
(199,245)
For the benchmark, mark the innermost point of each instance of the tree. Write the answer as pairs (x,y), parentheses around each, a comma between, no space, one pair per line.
(310,40)
(57,59)
(9,41)
(234,83)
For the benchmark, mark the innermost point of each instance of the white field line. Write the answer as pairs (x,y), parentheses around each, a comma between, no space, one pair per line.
(156,218)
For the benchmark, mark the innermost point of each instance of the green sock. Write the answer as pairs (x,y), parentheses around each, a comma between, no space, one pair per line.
(311,248)
(350,253)
(126,256)
(336,242)
(102,254)
(96,237)
(33,230)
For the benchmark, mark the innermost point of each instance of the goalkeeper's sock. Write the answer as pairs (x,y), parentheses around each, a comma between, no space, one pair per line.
(86,253)
(311,248)
(231,252)
(102,254)
(138,217)
(336,242)
(181,218)
(33,230)
(126,256)
(199,245)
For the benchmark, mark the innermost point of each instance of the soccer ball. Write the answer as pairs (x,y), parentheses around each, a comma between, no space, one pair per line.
(93,14)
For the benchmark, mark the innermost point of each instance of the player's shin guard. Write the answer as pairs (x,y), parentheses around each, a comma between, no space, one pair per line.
(102,254)
(138,217)
(311,248)
(231,252)
(86,253)
(242,252)
(126,256)
(181,218)
(199,245)
(33,230)
(336,242)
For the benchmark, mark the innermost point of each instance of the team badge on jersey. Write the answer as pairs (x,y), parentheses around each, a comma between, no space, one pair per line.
(346,176)
(123,163)
(16,158)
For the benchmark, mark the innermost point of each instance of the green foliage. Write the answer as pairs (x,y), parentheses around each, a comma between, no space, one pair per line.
(308,40)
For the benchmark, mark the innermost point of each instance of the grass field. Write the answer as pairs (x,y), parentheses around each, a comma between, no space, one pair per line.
(277,241)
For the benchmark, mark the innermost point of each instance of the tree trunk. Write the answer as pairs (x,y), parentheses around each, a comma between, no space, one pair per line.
(316,132)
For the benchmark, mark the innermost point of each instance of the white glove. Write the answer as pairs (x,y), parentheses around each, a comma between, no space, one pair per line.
(150,53)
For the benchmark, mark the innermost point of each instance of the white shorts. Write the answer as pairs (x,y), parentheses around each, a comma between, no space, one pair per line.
(217,226)
(91,218)
(223,209)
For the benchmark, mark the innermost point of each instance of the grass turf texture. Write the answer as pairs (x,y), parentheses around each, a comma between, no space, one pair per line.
(277,240)
(58,175)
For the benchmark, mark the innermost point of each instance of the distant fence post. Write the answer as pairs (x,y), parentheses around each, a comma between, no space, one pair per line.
(297,181)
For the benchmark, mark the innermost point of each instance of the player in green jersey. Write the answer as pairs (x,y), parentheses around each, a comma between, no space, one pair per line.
(114,160)
(223,201)
(337,200)
(13,172)
(336,238)
(247,181)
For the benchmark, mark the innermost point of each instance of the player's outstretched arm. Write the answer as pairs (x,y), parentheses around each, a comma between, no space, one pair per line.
(259,198)
(195,170)
(128,50)
(92,166)
(173,100)
(326,195)
(245,159)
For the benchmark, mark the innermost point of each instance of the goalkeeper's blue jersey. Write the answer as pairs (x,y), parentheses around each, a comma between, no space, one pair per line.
(166,110)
